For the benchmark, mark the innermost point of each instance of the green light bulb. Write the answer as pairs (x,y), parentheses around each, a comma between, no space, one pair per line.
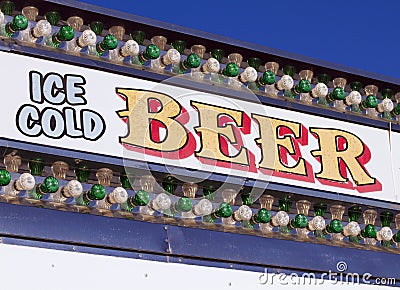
(285,204)
(82,173)
(369,231)
(124,179)
(97,27)
(151,52)
(192,61)
(289,70)
(299,222)
(336,95)
(335,226)
(141,198)
(263,216)
(320,209)
(5,177)
(109,42)
(231,70)
(138,36)
(254,62)
(218,54)
(179,45)
(53,17)
(354,213)
(36,166)
(170,184)
(370,102)
(209,193)
(267,78)
(18,23)
(247,199)
(386,218)
(7,7)
(97,192)
(66,33)
(49,185)
(184,204)
(303,86)
(224,210)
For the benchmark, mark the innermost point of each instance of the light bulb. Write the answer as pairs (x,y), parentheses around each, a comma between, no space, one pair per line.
(198,49)
(243,213)
(2,18)
(75,22)
(317,223)
(229,195)
(189,189)
(88,37)
(117,31)
(280,219)
(235,58)
(12,162)
(370,216)
(42,28)
(171,57)
(352,229)
(266,201)
(59,169)
(118,195)
(203,207)
(320,90)
(160,41)
(73,188)
(96,192)
(130,47)
(248,75)
(161,202)
(211,66)
(30,12)
(384,234)
(385,106)
(285,83)
(353,98)
(147,183)
(104,176)
(25,181)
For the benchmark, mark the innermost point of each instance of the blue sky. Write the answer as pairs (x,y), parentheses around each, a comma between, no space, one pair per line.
(359,34)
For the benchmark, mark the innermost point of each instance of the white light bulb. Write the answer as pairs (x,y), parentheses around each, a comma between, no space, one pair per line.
(162,201)
(243,213)
(25,181)
(385,106)
(204,207)
(248,75)
(118,195)
(211,66)
(352,229)
(320,90)
(385,234)
(88,37)
(280,219)
(172,56)
(317,223)
(73,188)
(42,28)
(353,98)
(130,48)
(285,83)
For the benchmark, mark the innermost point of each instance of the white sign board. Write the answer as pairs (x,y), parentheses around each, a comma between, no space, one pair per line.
(44,269)
(67,106)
